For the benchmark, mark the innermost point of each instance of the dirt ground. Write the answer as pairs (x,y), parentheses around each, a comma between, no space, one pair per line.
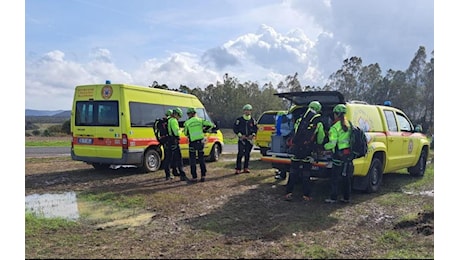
(228,216)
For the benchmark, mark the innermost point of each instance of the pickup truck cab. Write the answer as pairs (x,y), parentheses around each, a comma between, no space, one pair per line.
(393,141)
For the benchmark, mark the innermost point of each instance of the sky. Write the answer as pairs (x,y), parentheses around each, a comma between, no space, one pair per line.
(195,42)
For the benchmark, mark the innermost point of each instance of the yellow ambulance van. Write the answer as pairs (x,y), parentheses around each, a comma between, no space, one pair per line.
(112,124)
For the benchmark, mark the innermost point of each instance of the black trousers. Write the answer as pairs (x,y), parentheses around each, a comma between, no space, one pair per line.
(337,176)
(167,160)
(176,159)
(299,173)
(244,150)
(196,149)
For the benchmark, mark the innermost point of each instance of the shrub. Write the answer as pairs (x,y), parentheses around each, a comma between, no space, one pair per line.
(31,126)
(46,133)
(66,127)
(54,129)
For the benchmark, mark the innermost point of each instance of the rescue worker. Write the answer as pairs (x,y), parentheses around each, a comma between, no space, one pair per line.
(245,128)
(339,144)
(309,133)
(174,133)
(194,129)
(168,153)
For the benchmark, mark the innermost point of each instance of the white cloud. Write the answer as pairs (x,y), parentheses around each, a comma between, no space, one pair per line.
(176,43)
(51,79)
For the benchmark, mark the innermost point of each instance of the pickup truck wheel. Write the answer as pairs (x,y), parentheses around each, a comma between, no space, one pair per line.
(374,175)
(152,161)
(419,169)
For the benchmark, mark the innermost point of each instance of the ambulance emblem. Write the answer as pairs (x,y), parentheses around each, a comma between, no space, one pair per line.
(107,92)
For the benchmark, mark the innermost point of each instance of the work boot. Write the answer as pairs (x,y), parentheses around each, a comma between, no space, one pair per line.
(237,171)
(288,197)
(193,181)
(307,198)
(246,170)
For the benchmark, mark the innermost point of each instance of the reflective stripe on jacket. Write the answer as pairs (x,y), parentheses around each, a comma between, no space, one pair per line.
(193,128)
(337,137)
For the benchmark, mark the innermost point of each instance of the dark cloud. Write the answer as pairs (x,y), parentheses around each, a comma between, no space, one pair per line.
(218,58)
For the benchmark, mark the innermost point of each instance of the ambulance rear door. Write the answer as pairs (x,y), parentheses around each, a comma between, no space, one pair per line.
(97,130)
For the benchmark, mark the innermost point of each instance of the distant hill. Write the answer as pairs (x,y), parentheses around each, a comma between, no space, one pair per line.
(56,113)
(47,116)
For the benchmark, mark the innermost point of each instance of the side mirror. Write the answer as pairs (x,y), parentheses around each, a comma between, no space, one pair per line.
(418,128)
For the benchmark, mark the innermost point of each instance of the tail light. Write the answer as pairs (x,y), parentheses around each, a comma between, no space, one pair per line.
(124,141)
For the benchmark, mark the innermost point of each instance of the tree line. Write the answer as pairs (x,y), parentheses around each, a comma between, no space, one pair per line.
(411,90)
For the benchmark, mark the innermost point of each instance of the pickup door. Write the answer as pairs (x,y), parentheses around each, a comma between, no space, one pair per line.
(400,146)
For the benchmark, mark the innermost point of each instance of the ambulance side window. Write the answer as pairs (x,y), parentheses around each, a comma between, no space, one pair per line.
(144,114)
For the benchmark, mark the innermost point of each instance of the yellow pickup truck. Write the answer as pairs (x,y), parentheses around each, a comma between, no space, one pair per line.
(394,143)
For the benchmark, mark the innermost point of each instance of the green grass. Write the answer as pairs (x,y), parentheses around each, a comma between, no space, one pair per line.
(36,224)
(114,199)
(48,143)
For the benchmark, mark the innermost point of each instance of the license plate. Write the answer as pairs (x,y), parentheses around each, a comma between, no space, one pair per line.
(85,140)
(314,168)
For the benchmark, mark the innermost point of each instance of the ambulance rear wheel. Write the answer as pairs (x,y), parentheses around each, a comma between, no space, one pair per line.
(100,166)
(152,161)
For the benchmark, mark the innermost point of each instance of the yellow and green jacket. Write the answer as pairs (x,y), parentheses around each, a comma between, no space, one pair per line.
(193,128)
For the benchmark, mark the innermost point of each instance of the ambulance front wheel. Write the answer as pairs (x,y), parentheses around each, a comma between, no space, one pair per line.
(152,161)
(216,150)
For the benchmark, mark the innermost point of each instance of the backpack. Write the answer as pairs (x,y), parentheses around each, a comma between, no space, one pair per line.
(160,128)
(303,141)
(358,142)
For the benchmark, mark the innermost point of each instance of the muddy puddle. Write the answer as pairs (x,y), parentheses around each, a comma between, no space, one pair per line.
(68,206)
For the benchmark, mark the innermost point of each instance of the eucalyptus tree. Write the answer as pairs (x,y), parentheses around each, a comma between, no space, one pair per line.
(345,80)
(415,84)
(369,79)
(427,99)
(394,89)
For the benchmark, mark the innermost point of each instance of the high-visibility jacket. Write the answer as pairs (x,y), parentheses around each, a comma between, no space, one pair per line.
(193,128)
(337,137)
(173,127)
